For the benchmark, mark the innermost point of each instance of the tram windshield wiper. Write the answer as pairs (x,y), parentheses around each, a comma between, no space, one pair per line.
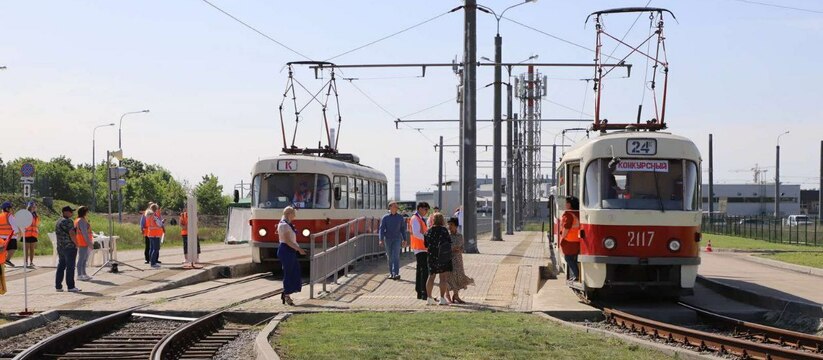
(657,190)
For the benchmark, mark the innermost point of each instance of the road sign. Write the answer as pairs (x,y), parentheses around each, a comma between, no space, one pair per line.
(27,180)
(22,219)
(27,170)
(26,190)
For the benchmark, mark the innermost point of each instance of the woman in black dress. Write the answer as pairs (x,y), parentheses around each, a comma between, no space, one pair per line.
(439,246)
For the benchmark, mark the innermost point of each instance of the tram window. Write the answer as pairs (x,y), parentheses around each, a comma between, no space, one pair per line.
(352,193)
(366,193)
(641,184)
(305,191)
(342,184)
(360,194)
(574,176)
(373,195)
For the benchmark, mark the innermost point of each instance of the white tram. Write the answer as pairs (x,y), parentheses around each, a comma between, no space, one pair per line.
(327,190)
(639,211)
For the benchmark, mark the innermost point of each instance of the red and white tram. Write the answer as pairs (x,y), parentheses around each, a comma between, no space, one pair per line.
(327,190)
(639,210)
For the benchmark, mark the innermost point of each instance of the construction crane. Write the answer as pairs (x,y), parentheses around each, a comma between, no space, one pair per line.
(758,173)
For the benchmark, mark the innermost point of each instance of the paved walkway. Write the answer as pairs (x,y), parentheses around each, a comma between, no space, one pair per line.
(506,275)
(731,269)
(108,291)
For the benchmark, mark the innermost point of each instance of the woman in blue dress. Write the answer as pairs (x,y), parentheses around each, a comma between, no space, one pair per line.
(287,252)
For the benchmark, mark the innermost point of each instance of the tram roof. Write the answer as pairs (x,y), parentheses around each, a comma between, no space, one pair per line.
(669,145)
(317,164)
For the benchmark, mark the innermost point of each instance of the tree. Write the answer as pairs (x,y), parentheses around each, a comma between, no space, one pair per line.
(210,197)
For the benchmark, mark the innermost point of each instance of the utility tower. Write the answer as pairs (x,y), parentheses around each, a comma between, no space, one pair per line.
(530,88)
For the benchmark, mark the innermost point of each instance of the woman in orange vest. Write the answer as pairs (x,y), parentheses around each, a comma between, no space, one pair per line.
(32,232)
(184,232)
(85,242)
(570,236)
(154,230)
(5,235)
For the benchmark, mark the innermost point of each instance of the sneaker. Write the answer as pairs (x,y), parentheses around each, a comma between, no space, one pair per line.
(430,301)
(74,290)
(397,277)
(9,263)
(146,262)
(84,278)
(159,262)
(155,266)
(59,290)
(443,301)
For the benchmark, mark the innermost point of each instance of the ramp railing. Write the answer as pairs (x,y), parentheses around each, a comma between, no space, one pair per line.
(338,248)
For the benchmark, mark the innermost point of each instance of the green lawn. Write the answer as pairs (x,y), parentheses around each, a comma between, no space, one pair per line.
(130,234)
(734,242)
(443,335)
(799,258)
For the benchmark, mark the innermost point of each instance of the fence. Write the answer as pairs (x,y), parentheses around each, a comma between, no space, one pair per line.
(337,248)
(766,228)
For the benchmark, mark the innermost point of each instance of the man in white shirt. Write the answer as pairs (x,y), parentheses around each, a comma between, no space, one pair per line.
(418,245)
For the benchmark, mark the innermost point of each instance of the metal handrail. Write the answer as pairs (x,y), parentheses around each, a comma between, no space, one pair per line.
(353,241)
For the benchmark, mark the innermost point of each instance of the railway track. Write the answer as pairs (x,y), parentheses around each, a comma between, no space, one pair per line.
(747,340)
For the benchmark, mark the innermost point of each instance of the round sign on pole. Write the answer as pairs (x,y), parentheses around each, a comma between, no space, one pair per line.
(22,219)
(27,170)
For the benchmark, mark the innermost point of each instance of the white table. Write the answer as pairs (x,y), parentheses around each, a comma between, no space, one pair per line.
(97,256)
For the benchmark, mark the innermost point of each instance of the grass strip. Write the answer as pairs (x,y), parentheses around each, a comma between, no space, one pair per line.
(799,258)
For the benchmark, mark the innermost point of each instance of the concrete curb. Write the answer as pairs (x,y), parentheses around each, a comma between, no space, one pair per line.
(262,346)
(761,300)
(213,273)
(808,270)
(24,325)
(678,353)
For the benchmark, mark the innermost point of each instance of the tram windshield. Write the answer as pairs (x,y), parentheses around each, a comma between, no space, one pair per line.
(303,191)
(641,184)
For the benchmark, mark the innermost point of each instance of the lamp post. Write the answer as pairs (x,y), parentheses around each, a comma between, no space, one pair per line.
(120,147)
(777,177)
(497,153)
(94,166)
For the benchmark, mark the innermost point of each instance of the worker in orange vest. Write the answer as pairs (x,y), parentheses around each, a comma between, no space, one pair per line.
(155,231)
(570,237)
(418,225)
(84,238)
(7,232)
(184,232)
(32,233)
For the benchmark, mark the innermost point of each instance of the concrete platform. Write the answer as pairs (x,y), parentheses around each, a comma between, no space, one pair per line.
(109,291)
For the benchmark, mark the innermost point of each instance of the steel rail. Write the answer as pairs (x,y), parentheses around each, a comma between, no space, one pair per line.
(723,345)
(763,333)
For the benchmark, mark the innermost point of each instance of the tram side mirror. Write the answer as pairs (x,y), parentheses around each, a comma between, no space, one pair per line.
(236,196)
(337,196)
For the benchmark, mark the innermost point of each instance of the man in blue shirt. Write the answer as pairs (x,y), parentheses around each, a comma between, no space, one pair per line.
(393,234)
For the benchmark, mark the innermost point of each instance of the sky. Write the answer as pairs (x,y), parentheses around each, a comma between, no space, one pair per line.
(741,71)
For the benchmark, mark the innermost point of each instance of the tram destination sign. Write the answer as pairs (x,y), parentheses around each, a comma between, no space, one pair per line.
(641,146)
(638,165)
(286,165)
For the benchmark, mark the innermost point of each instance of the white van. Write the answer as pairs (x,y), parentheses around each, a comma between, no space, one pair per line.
(798,220)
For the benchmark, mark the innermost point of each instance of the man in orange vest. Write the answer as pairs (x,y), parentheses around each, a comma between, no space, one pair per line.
(418,231)
(184,232)
(570,237)
(7,232)
(154,230)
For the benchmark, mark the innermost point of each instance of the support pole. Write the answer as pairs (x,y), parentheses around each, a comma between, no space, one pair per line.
(497,214)
(777,183)
(517,192)
(440,179)
(509,159)
(820,189)
(711,179)
(469,163)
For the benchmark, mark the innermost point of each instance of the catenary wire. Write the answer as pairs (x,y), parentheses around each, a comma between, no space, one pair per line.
(553,36)
(780,6)
(252,28)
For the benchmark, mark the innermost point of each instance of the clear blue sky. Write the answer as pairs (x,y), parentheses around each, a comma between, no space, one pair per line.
(741,71)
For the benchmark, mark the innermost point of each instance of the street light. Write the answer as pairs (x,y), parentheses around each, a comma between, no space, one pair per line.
(120,147)
(777,177)
(497,214)
(94,167)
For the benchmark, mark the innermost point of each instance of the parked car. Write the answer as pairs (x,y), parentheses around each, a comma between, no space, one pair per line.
(751,222)
(798,220)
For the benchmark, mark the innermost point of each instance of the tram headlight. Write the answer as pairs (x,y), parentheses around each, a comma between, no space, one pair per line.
(674,245)
(262,232)
(609,243)
(306,232)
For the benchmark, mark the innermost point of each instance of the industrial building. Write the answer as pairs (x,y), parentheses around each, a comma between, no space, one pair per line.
(752,199)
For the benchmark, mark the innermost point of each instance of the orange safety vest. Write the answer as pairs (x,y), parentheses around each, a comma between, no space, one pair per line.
(416,242)
(153,227)
(184,223)
(574,231)
(5,226)
(78,235)
(34,229)
(145,228)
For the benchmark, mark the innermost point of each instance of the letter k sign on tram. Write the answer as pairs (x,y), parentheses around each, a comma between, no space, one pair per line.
(286,165)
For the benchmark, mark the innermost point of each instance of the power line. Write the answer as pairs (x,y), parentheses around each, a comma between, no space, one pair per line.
(252,28)
(554,36)
(780,6)
(430,107)
(392,34)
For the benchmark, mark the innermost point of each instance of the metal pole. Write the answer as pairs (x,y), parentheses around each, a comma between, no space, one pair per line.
(777,182)
(530,144)
(820,189)
(468,163)
(509,159)
(516,191)
(440,178)
(93,174)
(711,179)
(497,215)
(554,164)
(108,181)
(461,102)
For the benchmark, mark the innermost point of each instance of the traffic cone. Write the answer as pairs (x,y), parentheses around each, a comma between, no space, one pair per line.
(709,246)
